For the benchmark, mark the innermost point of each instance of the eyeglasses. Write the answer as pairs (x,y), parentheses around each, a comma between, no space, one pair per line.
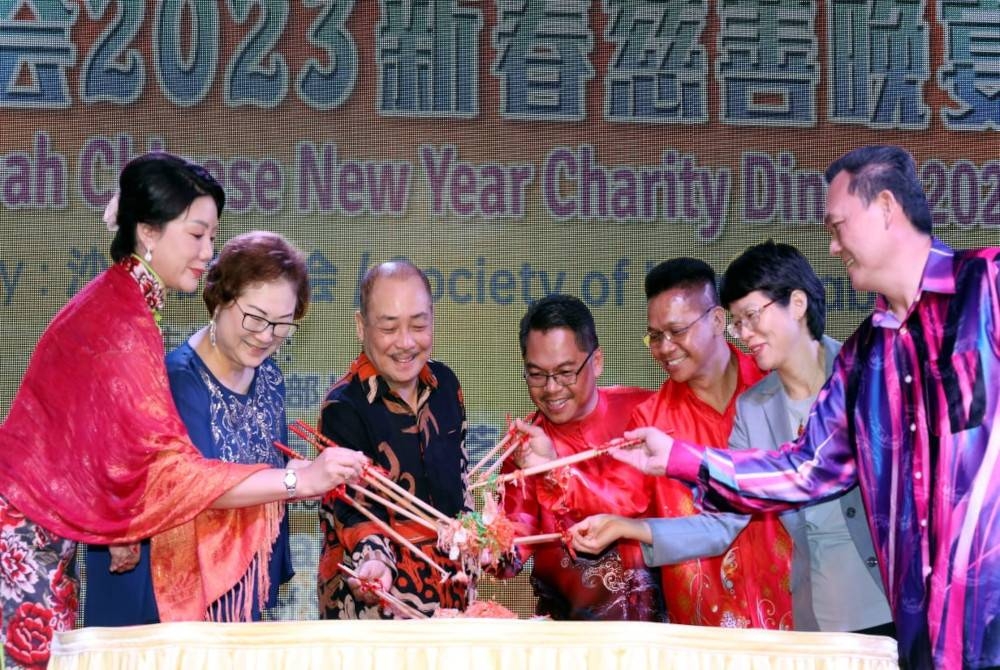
(654,338)
(540,379)
(258,324)
(749,320)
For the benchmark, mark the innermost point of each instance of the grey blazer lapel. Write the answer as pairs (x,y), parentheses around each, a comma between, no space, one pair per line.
(772,405)
(772,401)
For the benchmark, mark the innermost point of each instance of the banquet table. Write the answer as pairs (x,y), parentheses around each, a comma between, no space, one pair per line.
(453,644)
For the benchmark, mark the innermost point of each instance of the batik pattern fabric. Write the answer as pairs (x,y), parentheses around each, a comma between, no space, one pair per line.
(748,586)
(424,452)
(615,585)
(910,412)
(93,450)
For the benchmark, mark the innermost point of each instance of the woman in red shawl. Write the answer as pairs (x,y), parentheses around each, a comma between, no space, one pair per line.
(93,449)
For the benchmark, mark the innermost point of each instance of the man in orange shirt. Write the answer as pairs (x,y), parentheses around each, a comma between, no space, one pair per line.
(747,586)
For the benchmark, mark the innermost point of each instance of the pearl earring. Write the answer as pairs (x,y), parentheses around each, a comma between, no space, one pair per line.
(149,255)
(211,331)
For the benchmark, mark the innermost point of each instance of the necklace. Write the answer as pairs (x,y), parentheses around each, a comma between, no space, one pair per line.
(798,413)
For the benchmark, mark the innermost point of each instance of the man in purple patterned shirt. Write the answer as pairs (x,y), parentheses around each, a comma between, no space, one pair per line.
(908,412)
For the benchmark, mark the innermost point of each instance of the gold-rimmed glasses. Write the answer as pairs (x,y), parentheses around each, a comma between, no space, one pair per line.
(749,320)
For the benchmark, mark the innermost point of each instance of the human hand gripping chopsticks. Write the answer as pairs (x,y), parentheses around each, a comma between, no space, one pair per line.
(612,447)
(648,450)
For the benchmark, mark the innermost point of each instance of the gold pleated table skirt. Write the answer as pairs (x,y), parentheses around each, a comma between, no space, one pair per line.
(460,644)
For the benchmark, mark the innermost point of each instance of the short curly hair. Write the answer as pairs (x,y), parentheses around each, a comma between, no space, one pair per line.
(253,258)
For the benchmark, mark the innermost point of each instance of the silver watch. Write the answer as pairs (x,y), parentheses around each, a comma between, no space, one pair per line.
(291,480)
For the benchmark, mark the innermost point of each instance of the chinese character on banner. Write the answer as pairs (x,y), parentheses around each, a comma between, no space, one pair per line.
(322,277)
(767,65)
(659,68)
(878,53)
(301,391)
(84,266)
(35,51)
(428,58)
(543,63)
(971,71)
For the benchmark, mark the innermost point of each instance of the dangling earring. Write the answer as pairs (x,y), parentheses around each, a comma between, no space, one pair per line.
(211,331)
(285,341)
(149,255)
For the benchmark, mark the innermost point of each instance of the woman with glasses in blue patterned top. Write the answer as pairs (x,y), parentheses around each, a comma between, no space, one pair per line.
(231,395)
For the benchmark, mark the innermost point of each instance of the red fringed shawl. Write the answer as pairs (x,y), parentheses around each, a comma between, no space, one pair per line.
(93,450)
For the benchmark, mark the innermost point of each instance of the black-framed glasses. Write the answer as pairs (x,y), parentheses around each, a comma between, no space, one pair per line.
(654,338)
(540,379)
(749,320)
(258,324)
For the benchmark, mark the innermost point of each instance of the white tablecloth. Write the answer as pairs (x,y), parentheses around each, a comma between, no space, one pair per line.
(457,644)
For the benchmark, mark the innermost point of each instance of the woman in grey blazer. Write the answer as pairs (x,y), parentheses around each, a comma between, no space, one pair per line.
(778,308)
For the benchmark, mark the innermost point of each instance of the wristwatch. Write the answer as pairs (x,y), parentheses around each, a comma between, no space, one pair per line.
(291,480)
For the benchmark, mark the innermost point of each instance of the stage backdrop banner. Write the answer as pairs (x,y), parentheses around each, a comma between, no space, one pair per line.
(511,149)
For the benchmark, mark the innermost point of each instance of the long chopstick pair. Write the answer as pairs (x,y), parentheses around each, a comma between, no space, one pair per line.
(373,476)
(313,437)
(560,462)
(511,434)
(384,595)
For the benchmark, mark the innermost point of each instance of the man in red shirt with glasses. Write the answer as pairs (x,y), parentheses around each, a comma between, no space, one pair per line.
(745,585)
(562,362)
